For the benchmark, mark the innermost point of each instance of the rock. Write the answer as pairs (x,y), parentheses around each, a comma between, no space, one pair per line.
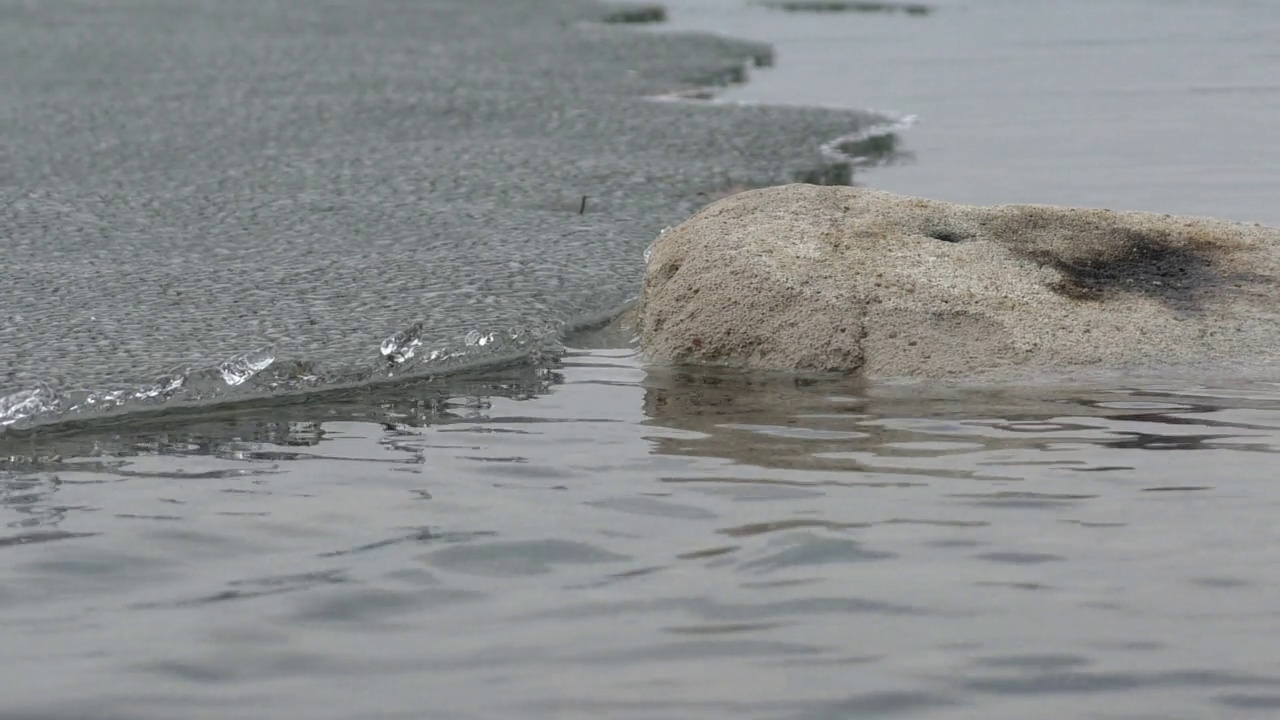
(802,277)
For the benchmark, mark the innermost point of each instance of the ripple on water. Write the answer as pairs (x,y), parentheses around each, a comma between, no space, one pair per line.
(698,567)
(517,558)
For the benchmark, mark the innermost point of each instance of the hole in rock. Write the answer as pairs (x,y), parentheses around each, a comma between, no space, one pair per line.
(947,236)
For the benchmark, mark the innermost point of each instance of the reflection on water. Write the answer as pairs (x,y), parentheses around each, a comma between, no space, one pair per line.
(595,541)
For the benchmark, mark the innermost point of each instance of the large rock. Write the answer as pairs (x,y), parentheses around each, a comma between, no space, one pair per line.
(802,277)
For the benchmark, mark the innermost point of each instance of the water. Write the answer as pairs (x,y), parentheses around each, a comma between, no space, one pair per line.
(1166,106)
(585,537)
(604,542)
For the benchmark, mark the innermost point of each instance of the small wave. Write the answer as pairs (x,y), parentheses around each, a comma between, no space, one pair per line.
(860,148)
(875,144)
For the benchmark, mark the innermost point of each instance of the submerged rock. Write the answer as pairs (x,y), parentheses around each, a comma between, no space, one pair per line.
(802,277)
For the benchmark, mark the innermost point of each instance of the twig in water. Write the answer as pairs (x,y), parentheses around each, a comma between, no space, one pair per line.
(582,209)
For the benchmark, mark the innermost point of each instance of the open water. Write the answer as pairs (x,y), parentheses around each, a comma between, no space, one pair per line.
(583,537)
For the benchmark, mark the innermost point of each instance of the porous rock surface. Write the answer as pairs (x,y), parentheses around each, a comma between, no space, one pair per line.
(802,277)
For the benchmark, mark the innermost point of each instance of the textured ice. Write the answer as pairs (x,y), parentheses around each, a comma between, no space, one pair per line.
(400,347)
(28,403)
(395,199)
(237,369)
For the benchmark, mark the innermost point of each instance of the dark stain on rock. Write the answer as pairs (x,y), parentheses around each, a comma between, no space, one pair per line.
(1139,261)
(1098,258)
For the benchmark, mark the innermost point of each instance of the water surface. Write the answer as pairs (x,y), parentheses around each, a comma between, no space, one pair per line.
(1160,105)
(599,541)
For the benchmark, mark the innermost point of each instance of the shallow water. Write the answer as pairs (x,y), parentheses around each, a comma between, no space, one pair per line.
(599,541)
(1160,105)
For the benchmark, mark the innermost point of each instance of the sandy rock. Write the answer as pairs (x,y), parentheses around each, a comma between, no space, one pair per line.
(803,277)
